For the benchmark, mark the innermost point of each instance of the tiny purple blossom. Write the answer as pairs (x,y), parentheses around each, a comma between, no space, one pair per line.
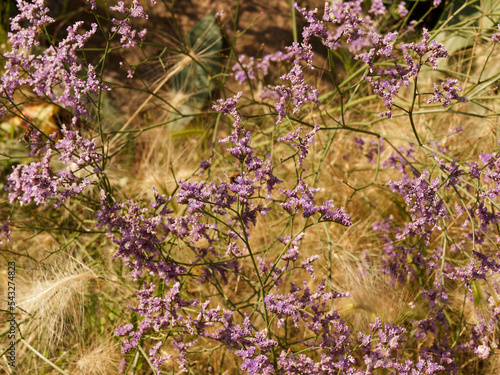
(37,182)
(219,15)
(75,149)
(123,27)
(402,11)
(450,93)
(204,165)
(135,233)
(359,142)
(474,170)
(55,69)
(228,106)
(307,265)
(293,250)
(123,330)
(495,38)
(5,231)
(483,351)
(153,357)
(426,207)
(377,8)
(244,70)
(302,143)
(437,50)
(242,144)
(301,197)
(336,215)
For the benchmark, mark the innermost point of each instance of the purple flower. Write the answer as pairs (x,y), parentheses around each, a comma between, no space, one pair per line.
(302,143)
(135,233)
(241,139)
(93,4)
(260,364)
(495,38)
(307,265)
(301,197)
(450,93)
(391,79)
(153,357)
(400,159)
(123,330)
(476,269)
(436,50)
(123,27)
(37,182)
(453,170)
(386,89)
(219,15)
(75,149)
(293,305)
(474,170)
(402,11)
(56,68)
(359,142)
(298,93)
(244,70)
(483,351)
(34,13)
(377,8)
(278,56)
(158,314)
(376,148)
(228,106)
(160,200)
(5,231)
(204,165)
(336,215)
(426,207)
(293,250)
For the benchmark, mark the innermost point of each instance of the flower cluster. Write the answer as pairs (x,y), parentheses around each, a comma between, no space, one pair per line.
(157,314)
(142,236)
(426,207)
(229,106)
(135,234)
(249,70)
(5,231)
(123,27)
(401,159)
(299,92)
(302,143)
(402,11)
(450,93)
(495,38)
(56,67)
(391,79)
(75,149)
(302,198)
(37,182)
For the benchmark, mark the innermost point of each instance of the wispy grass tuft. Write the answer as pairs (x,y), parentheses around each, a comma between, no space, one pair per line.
(54,301)
(101,358)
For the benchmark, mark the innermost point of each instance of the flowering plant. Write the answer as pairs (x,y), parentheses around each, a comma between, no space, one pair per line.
(330,218)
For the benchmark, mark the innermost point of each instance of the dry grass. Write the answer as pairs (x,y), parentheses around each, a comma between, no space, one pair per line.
(101,358)
(54,301)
